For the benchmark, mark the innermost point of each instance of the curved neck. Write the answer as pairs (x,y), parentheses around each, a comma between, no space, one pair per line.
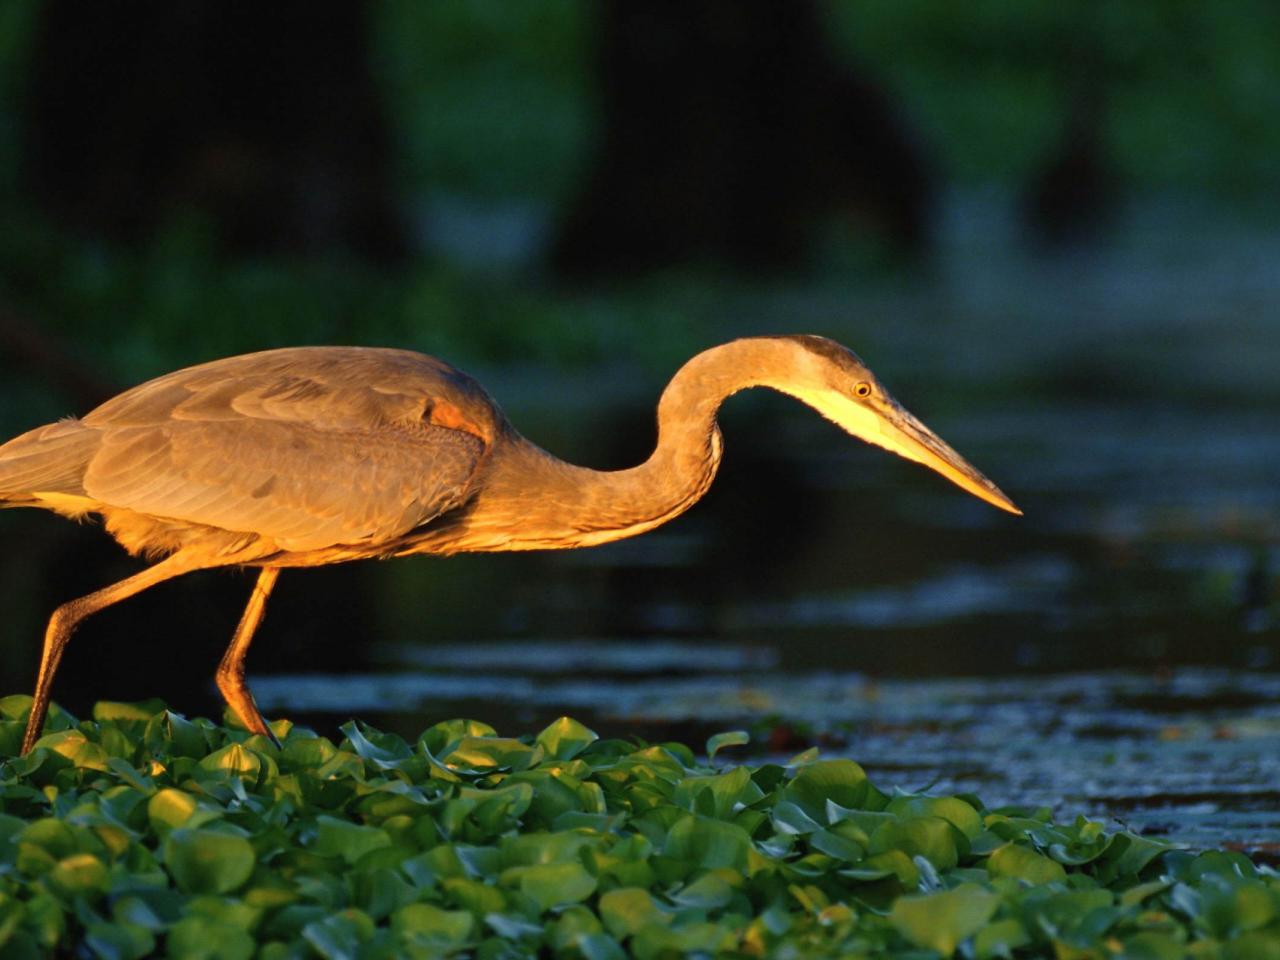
(530,500)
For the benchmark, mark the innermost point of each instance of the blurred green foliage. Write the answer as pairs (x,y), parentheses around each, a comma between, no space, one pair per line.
(494,104)
(493,100)
(496,101)
(489,99)
(1192,90)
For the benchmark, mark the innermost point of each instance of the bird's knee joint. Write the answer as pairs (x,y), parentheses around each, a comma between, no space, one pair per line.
(65,619)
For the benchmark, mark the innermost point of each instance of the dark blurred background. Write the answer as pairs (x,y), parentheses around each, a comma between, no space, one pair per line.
(1051,228)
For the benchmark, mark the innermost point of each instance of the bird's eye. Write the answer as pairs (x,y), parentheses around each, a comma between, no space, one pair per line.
(862,391)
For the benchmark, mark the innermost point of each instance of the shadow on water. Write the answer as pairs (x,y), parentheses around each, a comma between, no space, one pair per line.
(1112,653)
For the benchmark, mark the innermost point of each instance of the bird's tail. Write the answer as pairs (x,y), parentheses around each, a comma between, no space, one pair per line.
(47,460)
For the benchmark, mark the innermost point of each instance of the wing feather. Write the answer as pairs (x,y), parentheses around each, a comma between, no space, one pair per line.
(310,448)
(48,459)
(302,487)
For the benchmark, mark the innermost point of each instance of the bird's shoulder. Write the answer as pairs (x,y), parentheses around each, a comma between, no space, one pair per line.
(341,389)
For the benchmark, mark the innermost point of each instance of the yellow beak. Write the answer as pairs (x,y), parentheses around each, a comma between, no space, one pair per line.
(906,436)
(886,424)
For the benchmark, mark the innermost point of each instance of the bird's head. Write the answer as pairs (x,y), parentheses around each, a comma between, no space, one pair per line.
(834,381)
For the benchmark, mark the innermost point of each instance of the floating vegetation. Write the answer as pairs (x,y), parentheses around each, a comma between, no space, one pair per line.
(1192,755)
(141,831)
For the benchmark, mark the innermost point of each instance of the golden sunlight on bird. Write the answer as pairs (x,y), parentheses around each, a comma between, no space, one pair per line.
(314,455)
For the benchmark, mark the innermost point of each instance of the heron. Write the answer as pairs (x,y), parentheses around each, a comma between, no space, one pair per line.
(303,456)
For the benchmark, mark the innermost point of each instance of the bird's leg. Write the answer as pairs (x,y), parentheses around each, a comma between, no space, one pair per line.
(68,616)
(230,674)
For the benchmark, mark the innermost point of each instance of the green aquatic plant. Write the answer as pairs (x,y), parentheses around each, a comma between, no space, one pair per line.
(141,831)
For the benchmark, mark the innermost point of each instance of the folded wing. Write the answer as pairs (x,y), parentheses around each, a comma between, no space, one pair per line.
(308,448)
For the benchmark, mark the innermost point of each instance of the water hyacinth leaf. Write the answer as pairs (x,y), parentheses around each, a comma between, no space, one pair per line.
(489,754)
(790,818)
(722,793)
(590,822)
(708,892)
(115,743)
(730,738)
(10,827)
(478,861)
(1135,895)
(867,874)
(834,845)
(173,734)
(986,843)
(203,861)
(350,841)
(269,898)
(554,884)
(706,843)
(804,758)
(571,924)
(378,892)
(1075,912)
(813,865)
(553,794)
(45,920)
(565,738)
(1159,946)
(592,797)
(952,809)
(1255,945)
(841,781)
(171,808)
(52,836)
(79,875)
(930,837)
(76,747)
(902,866)
(1234,905)
(512,927)
(10,737)
(1127,855)
(234,758)
(942,921)
(437,739)
(496,810)
(130,775)
(1088,844)
(839,915)
(430,924)
(1222,863)
(691,939)
(477,896)
(15,708)
(229,910)
(627,910)
(17,705)
(384,750)
(116,940)
(1022,863)
(535,848)
(201,938)
(112,711)
(1000,939)
(599,946)
(339,936)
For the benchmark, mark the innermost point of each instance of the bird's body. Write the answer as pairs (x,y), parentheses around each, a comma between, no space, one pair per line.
(314,455)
